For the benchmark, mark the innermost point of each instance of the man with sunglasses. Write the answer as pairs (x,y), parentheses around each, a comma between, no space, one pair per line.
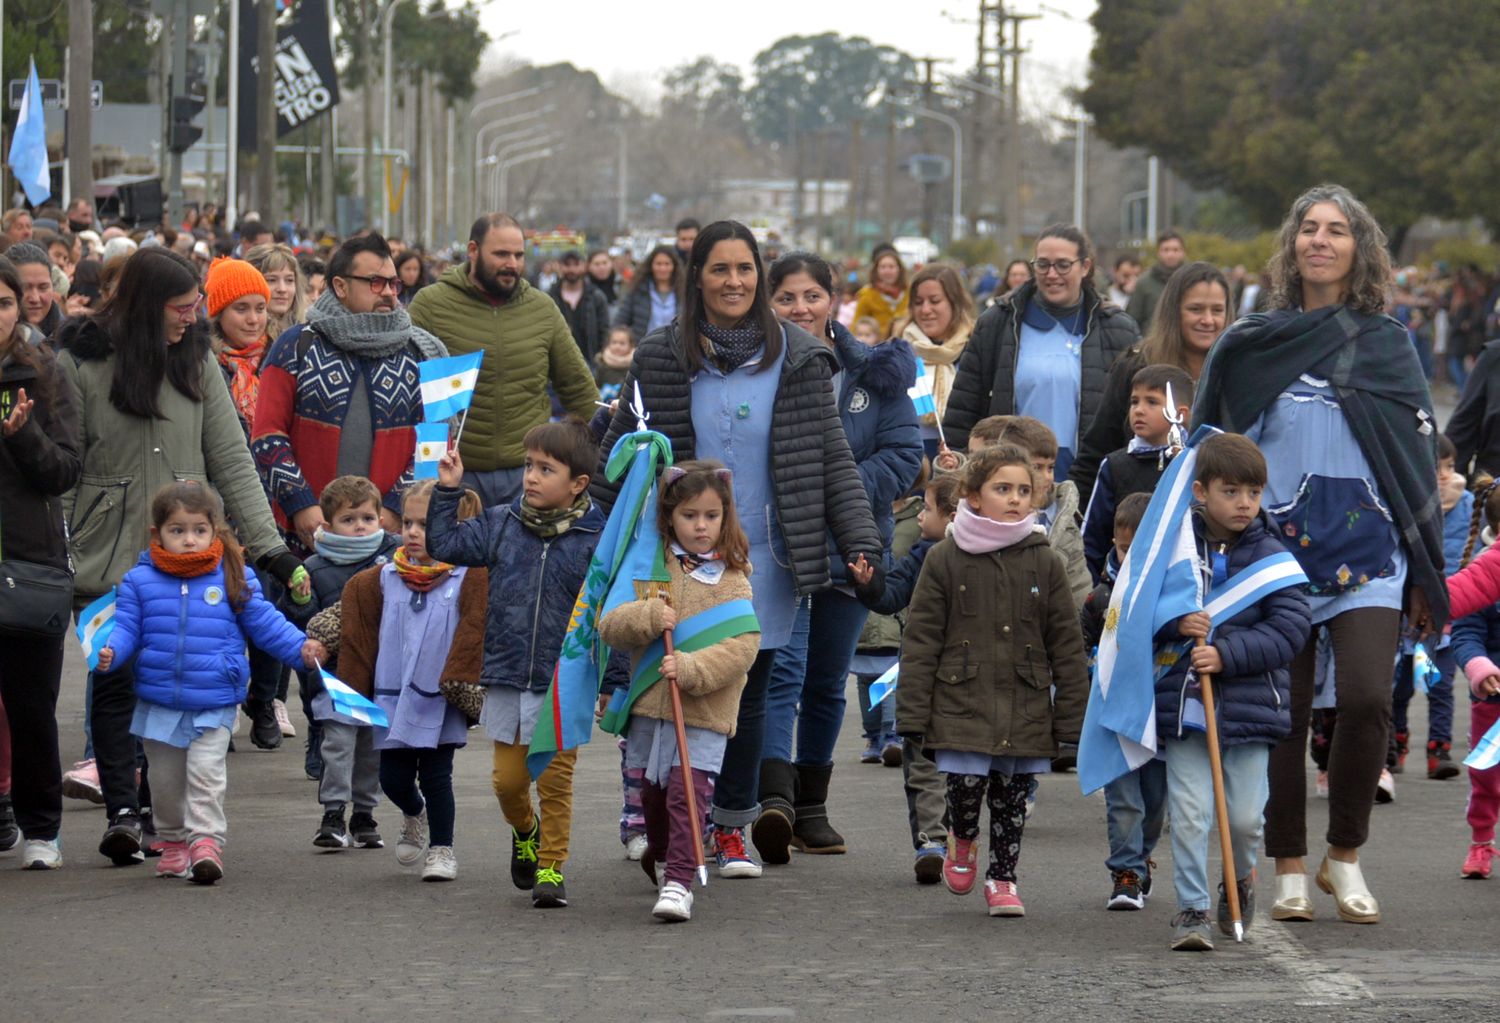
(339,396)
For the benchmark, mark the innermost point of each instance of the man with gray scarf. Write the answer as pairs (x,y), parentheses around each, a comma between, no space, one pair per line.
(340,395)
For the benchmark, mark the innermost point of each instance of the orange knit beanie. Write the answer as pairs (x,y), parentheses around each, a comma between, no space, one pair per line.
(230,280)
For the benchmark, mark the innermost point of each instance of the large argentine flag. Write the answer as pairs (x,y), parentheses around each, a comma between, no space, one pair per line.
(28,146)
(1159,581)
(921,392)
(448,385)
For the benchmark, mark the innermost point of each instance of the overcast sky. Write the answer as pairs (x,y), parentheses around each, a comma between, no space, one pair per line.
(631,46)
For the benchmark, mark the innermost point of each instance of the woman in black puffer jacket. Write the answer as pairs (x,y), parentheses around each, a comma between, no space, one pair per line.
(728,380)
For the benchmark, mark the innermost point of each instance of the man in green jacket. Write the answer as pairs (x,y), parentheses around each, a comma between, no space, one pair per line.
(485,304)
(1170,254)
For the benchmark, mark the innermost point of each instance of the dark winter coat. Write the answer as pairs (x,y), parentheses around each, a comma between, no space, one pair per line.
(589,322)
(880,424)
(1123,473)
(329,580)
(1474,427)
(818,487)
(901,580)
(533,583)
(39,464)
(987,637)
(1096,605)
(1147,294)
(1477,635)
(984,382)
(882,631)
(634,309)
(1109,430)
(1253,692)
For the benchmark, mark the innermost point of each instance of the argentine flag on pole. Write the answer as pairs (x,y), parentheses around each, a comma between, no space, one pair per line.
(338,702)
(28,147)
(432,443)
(883,686)
(448,385)
(95,623)
(921,392)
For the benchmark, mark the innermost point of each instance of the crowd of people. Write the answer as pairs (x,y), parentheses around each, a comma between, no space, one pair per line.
(869,467)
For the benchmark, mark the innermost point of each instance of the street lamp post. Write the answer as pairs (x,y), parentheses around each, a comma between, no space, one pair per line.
(520,158)
(499,154)
(958,164)
(386,17)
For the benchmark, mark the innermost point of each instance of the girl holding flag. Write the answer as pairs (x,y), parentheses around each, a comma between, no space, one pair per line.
(707,600)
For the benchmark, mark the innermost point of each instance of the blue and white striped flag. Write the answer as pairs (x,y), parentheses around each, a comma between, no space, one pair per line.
(921,392)
(1486,752)
(883,686)
(28,146)
(432,443)
(1424,673)
(95,623)
(448,385)
(338,702)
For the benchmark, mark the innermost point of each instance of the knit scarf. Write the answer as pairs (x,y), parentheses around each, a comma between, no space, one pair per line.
(416,576)
(732,347)
(244,380)
(370,335)
(939,358)
(891,292)
(547,523)
(348,550)
(612,361)
(976,534)
(188,566)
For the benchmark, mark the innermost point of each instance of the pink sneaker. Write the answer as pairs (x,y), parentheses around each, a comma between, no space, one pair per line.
(1477,863)
(207,863)
(1002,899)
(958,864)
(174,860)
(1322,785)
(82,782)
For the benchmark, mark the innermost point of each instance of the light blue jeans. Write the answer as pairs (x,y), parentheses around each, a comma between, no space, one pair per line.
(1190,797)
(1135,805)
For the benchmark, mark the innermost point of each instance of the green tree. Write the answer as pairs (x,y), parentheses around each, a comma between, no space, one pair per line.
(807,83)
(1393,100)
(39,29)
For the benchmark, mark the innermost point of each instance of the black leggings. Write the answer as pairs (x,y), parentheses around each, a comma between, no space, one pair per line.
(1007,799)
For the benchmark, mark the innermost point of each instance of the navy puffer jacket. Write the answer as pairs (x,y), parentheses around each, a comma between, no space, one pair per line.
(188,643)
(533,583)
(881,425)
(1253,693)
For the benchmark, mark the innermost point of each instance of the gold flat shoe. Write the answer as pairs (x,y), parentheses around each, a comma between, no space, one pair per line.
(1293,898)
(1346,884)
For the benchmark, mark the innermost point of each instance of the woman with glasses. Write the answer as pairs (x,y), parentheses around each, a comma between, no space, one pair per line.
(1044,350)
(154,409)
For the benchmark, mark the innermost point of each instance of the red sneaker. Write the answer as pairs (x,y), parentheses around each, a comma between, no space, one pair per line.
(1002,899)
(174,860)
(206,862)
(958,864)
(1477,863)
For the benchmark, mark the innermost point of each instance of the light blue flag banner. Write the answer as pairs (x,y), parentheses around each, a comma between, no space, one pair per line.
(921,392)
(339,702)
(1486,752)
(95,623)
(1424,673)
(883,686)
(448,385)
(432,443)
(28,147)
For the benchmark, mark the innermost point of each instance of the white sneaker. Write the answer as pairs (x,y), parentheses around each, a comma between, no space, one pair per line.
(40,854)
(1385,789)
(283,720)
(675,904)
(635,848)
(441,864)
(413,841)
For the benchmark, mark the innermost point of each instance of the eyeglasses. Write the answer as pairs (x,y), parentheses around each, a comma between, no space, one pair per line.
(378,284)
(188,311)
(1045,266)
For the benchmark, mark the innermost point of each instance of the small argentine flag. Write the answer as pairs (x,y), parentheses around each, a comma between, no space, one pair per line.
(883,686)
(448,385)
(1424,674)
(921,392)
(1486,752)
(338,702)
(432,442)
(95,623)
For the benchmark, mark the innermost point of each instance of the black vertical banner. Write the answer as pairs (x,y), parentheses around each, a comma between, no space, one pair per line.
(306,79)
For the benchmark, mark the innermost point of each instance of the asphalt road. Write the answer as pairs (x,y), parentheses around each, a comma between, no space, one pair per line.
(295,934)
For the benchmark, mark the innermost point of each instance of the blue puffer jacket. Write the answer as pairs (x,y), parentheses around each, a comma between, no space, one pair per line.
(1477,635)
(1456,522)
(881,425)
(189,646)
(533,583)
(1253,692)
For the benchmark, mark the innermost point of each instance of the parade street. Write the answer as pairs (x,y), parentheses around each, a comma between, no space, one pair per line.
(294,934)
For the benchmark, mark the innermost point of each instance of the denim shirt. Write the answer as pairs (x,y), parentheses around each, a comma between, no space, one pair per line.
(732,423)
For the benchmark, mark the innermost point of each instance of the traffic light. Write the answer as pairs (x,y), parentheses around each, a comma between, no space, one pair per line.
(187,104)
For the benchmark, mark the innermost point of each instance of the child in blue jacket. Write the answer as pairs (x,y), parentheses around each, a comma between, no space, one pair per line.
(184,613)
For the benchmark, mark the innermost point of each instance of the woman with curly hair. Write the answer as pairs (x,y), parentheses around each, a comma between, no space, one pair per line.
(1332,391)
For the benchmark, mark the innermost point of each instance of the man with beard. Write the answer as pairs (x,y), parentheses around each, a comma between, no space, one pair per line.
(486,304)
(583,306)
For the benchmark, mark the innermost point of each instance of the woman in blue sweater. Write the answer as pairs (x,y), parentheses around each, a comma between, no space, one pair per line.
(184,613)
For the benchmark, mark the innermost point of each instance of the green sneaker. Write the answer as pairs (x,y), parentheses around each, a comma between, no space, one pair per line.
(549,892)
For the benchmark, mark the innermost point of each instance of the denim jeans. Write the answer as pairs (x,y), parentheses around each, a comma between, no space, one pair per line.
(879,723)
(1190,796)
(736,795)
(809,680)
(1439,697)
(1135,806)
(404,771)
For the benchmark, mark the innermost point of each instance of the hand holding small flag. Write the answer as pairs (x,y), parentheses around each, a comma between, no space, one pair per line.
(313,653)
(450,469)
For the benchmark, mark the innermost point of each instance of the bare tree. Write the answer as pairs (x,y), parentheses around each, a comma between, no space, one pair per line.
(78,143)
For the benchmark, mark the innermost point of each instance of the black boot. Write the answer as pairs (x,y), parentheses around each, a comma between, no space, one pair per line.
(265,733)
(772,831)
(812,833)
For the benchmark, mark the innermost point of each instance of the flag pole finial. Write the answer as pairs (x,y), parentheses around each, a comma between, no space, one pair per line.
(1175,434)
(638,407)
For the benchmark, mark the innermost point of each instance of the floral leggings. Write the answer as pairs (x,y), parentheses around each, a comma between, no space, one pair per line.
(1007,799)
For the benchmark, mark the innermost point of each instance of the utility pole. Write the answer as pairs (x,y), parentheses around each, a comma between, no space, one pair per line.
(327,196)
(1016,212)
(79,142)
(928,187)
(988,61)
(855,197)
(888,179)
(265,111)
